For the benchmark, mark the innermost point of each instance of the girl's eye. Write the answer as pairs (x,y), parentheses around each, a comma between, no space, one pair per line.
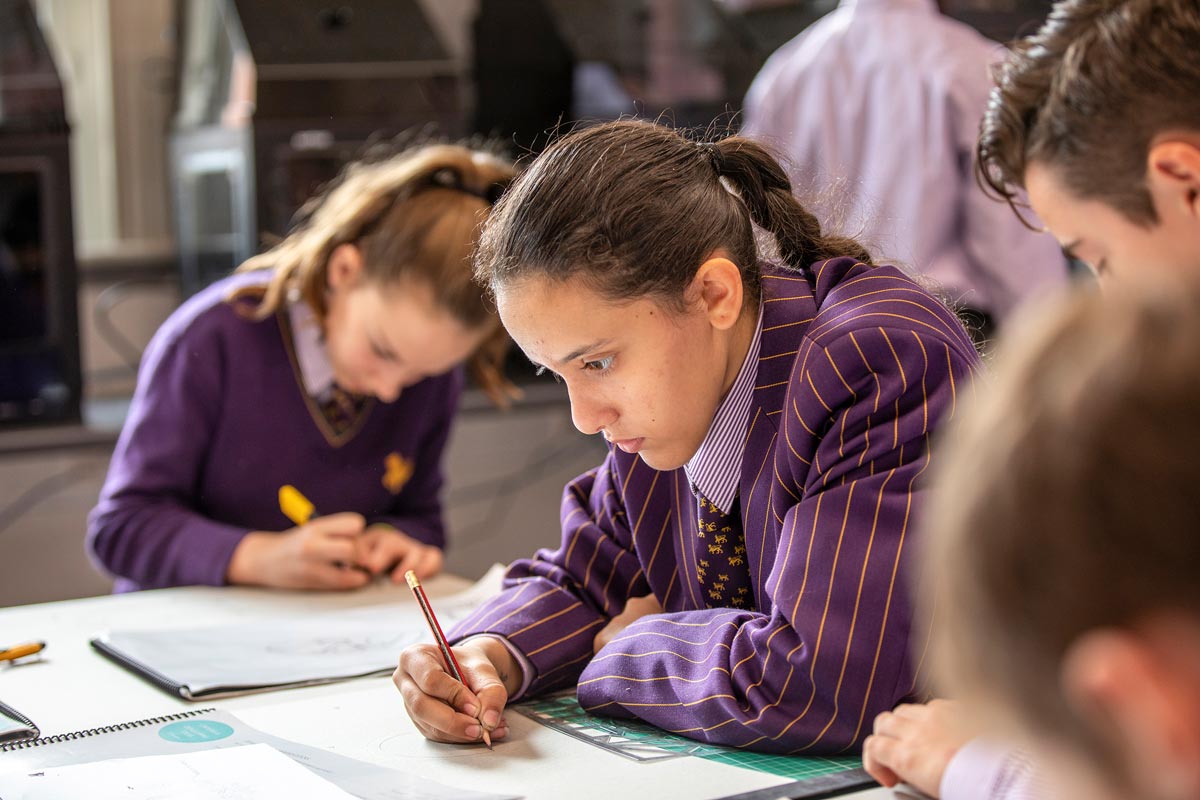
(600,365)
(542,371)
(380,352)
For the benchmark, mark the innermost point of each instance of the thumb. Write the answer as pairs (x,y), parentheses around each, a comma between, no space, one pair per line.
(484,681)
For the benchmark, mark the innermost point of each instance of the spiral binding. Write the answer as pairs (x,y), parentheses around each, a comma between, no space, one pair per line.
(84,734)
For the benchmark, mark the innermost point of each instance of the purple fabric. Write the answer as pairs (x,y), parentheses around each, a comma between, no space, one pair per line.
(982,770)
(882,99)
(852,381)
(220,421)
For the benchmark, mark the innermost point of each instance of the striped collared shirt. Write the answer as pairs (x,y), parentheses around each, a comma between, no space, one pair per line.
(716,468)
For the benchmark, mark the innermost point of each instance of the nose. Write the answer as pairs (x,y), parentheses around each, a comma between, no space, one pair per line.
(389,385)
(589,414)
(389,393)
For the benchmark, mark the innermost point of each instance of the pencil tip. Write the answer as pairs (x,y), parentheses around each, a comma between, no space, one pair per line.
(487,738)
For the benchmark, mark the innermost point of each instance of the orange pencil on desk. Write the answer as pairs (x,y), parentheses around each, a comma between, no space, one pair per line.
(22,651)
(452,665)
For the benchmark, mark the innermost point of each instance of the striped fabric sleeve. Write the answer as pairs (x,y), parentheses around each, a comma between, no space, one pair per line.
(554,604)
(808,672)
(983,770)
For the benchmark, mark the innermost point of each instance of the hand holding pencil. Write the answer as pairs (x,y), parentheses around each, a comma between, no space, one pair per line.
(321,552)
(456,694)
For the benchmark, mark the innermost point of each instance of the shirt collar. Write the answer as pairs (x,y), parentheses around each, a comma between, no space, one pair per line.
(716,468)
(308,339)
(890,5)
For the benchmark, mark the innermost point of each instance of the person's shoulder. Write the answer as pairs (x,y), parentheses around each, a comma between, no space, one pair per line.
(961,47)
(210,314)
(799,52)
(853,296)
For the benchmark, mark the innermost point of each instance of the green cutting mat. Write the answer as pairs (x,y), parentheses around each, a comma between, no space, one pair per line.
(643,742)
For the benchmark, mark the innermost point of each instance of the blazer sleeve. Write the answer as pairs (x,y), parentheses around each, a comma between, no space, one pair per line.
(145,526)
(417,510)
(808,673)
(553,605)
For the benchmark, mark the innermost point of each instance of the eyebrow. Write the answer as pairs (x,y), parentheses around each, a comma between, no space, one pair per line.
(574,354)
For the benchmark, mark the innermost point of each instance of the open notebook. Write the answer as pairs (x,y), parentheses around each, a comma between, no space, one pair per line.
(183,736)
(211,662)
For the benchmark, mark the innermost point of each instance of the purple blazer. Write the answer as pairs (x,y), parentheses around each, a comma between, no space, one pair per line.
(853,380)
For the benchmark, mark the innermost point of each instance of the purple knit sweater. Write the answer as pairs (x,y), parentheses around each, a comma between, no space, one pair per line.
(220,420)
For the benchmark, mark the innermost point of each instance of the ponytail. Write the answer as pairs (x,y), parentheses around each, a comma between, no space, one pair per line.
(761,183)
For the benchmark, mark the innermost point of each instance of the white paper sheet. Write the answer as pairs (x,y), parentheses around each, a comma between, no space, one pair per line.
(252,772)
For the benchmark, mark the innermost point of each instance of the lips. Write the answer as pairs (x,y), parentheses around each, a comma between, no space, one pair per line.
(629,445)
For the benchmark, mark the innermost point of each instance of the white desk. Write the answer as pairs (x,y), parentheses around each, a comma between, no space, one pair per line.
(74,688)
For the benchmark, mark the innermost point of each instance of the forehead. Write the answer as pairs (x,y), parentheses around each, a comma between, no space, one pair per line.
(550,318)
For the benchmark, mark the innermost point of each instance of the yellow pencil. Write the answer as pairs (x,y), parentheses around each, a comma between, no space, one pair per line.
(21,651)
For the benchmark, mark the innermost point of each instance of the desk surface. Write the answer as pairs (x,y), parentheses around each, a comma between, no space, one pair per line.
(75,688)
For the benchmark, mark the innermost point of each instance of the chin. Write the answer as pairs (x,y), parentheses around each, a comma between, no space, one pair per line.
(660,461)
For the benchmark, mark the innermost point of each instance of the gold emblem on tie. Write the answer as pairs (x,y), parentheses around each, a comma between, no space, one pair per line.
(397,471)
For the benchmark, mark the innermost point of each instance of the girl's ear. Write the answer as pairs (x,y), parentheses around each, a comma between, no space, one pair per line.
(344,267)
(1173,176)
(717,290)
(1142,701)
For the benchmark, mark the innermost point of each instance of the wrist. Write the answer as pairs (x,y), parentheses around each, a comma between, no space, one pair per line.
(507,666)
(245,564)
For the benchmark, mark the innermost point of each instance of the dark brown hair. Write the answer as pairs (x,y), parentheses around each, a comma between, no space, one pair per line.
(1086,95)
(415,214)
(635,208)
(1068,502)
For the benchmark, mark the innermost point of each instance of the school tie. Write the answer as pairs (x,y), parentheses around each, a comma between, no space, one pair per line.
(721,557)
(340,408)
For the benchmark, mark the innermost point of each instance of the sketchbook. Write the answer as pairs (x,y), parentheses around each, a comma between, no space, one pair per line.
(15,726)
(211,662)
(208,729)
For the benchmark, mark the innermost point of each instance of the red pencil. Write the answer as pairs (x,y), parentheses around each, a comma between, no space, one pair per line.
(435,627)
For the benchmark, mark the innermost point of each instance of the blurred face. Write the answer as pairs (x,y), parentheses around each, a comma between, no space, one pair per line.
(1115,248)
(648,378)
(380,339)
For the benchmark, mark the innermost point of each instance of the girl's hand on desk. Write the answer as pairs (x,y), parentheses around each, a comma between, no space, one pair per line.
(312,556)
(914,743)
(445,710)
(635,609)
(384,549)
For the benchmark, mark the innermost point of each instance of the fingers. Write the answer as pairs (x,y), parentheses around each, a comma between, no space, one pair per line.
(332,538)
(424,560)
(345,523)
(332,576)
(380,548)
(487,684)
(877,755)
(635,609)
(896,724)
(442,708)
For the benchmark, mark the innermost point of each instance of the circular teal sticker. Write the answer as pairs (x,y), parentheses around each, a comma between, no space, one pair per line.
(195,731)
